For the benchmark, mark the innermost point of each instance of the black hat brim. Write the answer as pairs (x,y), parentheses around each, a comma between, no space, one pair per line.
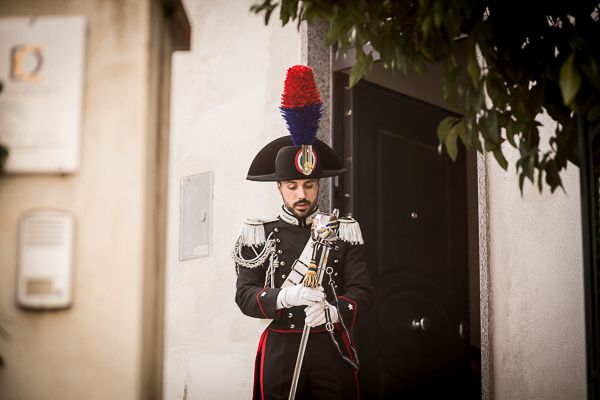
(267,168)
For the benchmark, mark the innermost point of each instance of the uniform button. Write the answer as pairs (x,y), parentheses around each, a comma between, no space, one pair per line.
(335,286)
(276,229)
(292,326)
(336,248)
(279,251)
(335,274)
(263,294)
(282,263)
(290,315)
(283,276)
(336,261)
(278,240)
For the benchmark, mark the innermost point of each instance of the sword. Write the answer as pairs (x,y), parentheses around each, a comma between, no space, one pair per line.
(323,232)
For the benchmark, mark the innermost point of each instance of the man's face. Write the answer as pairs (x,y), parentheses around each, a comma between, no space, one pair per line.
(299,196)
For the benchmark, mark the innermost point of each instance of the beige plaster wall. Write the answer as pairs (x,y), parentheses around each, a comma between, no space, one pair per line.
(537,320)
(93,350)
(226,94)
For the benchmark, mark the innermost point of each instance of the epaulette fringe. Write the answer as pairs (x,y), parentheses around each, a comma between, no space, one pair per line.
(350,231)
(252,232)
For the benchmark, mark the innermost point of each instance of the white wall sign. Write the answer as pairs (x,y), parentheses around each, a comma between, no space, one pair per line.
(41,69)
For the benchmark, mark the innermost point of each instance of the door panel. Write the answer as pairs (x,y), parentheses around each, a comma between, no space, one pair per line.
(411,203)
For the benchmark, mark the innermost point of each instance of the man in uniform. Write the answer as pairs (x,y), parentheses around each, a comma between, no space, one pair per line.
(271,258)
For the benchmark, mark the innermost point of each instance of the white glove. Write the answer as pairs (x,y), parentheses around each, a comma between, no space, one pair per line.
(299,295)
(315,314)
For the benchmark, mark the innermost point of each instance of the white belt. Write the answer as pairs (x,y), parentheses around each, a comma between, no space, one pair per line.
(300,266)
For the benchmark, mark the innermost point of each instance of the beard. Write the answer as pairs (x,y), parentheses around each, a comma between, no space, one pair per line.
(306,208)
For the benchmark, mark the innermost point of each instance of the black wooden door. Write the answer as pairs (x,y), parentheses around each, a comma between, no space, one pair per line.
(411,203)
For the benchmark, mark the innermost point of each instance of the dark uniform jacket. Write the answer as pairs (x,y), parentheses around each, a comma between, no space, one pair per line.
(350,275)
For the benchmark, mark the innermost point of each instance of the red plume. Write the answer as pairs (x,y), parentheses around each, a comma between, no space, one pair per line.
(300,89)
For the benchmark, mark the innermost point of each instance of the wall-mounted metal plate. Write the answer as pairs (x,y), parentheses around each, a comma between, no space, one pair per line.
(195,228)
(45,268)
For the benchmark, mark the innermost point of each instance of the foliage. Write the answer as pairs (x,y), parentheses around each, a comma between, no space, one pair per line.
(525,59)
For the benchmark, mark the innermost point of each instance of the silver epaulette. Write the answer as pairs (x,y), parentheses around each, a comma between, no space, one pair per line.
(350,231)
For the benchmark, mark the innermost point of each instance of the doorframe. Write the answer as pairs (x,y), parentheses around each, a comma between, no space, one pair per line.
(169,31)
(485,288)
(325,64)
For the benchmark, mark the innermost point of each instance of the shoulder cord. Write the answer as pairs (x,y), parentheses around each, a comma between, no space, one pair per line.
(260,258)
(330,328)
(270,274)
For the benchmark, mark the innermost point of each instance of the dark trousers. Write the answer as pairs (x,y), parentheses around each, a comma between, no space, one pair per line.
(324,374)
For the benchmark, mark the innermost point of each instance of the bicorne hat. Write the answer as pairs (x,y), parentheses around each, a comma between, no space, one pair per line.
(299,155)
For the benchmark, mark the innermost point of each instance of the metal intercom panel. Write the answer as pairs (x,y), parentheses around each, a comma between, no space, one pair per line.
(45,259)
(196,216)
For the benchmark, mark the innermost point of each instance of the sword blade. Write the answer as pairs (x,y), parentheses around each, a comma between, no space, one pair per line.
(306,331)
(299,359)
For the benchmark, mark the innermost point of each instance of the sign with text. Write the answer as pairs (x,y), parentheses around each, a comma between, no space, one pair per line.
(41,70)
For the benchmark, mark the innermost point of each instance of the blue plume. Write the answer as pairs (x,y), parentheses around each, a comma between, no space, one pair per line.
(303,122)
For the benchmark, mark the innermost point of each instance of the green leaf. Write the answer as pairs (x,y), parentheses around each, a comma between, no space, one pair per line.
(444,127)
(451,140)
(511,137)
(489,145)
(473,69)
(265,7)
(495,89)
(471,131)
(528,167)
(340,27)
(426,25)
(268,13)
(569,80)
(491,124)
(462,132)
(451,144)
(521,181)
(448,130)
(288,10)
(552,177)
(476,97)
(499,156)
(478,146)
(363,65)
(451,86)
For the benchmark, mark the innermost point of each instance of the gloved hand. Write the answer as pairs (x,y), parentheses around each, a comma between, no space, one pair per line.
(299,295)
(315,314)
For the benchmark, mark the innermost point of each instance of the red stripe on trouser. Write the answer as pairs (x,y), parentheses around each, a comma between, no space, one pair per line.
(260,352)
(262,365)
(351,355)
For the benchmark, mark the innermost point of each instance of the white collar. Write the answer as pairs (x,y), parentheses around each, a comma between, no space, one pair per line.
(287,216)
